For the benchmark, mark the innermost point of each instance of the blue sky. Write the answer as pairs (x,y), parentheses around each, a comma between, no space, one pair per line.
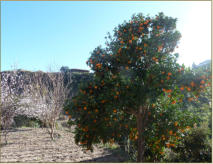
(38,35)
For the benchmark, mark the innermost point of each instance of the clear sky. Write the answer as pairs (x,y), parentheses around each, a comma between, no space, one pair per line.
(38,35)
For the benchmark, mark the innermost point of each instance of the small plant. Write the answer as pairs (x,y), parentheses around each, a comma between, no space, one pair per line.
(24,121)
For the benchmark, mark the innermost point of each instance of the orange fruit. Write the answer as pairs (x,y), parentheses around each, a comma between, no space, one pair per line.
(168,145)
(188,127)
(189,89)
(182,88)
(192,84)
(202,82)
(161,153)
(174,102)
(169,91)
(190,99)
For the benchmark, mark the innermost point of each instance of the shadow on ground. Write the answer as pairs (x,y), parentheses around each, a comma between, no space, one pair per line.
(115,156)
(4,144)
(19,130)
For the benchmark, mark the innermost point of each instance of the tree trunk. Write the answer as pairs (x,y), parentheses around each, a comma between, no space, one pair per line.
(5,137)
(52,132)
(140,128)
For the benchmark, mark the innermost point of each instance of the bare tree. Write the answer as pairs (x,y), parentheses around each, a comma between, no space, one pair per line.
(52,96)
(10,101)
(8,108)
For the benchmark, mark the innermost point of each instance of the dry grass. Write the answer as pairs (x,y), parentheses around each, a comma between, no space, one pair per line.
(35,145)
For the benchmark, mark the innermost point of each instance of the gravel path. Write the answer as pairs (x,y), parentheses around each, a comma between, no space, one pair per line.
(35,145)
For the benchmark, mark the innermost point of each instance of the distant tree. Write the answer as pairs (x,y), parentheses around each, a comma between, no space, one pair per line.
(64,69)
(193,65)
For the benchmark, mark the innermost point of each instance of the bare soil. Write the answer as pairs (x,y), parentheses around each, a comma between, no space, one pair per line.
(35,145)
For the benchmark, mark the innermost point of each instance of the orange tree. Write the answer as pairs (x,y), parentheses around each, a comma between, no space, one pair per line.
(137,88)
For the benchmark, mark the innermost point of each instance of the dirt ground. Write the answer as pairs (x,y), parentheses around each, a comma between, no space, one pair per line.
(35,145)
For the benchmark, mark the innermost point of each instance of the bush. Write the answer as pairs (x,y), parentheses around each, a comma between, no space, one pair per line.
(195,147)
(24,121)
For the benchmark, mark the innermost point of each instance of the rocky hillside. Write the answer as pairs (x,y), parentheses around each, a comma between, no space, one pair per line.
(27,87)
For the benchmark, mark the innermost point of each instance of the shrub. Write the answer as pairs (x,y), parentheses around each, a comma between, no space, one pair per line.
(24,121)
(195,146)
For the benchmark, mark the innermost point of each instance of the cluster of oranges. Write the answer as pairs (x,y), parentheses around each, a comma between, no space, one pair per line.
(85,129)
(160,48)
(170,145)
(114,110)
(83,142)
(98,66)
(167,91)
(155,59)
(133,134)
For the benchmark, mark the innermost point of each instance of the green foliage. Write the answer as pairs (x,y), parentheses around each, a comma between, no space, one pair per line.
(194,147)
(76,81)
(64,69)
(24,121)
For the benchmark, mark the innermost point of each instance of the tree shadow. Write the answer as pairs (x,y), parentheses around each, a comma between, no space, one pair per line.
(4,144)
(19,130)
(116,156)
